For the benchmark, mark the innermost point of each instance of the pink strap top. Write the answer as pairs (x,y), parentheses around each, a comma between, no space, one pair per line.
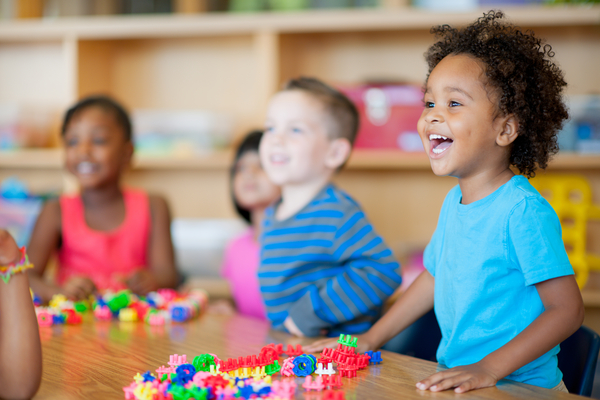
(106,257)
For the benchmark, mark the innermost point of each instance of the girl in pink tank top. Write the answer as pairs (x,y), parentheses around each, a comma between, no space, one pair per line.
(105,237)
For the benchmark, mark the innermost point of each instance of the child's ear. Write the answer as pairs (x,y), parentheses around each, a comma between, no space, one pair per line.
(509,132)
(338,153)
(127,153)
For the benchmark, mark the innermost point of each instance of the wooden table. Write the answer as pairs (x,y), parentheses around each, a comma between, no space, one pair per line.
(96,360)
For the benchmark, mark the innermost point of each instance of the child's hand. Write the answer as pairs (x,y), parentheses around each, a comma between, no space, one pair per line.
(222,307)
(290,325)
(362,344)
(463,379)
(78,288)
(142,282)
(9,251)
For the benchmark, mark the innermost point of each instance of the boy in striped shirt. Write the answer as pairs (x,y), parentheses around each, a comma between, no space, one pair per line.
(323,270)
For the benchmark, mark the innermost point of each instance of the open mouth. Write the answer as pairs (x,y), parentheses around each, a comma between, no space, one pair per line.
(439,143)
(86,167)
(278,159)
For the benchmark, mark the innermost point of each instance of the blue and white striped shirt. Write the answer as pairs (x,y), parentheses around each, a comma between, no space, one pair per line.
(325,267)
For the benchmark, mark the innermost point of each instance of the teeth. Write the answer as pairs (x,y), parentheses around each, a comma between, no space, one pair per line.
(85,167)
(431,137)
(438,151)
(278,158)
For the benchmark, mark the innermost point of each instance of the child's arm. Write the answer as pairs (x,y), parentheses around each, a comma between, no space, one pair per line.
(363,276)
(412,305)
(161,272)
(562,316)
(44,240)
(20,349)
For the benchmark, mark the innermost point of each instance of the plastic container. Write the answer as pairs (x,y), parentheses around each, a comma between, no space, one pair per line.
(388,115)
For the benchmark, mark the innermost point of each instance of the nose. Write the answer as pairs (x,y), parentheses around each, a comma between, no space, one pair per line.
(433,115)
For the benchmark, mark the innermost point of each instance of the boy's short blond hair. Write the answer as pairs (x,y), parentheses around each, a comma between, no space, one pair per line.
(340,109)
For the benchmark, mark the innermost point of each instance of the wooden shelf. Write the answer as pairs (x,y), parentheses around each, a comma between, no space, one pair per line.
(362,159)
(211,24)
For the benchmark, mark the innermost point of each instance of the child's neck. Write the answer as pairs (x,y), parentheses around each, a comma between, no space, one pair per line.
(99,197)
(294,197)
(257,216)
(104,208)
(478,186)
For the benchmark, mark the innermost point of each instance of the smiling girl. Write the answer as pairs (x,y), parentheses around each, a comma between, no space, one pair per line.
(106,236)
(497,273)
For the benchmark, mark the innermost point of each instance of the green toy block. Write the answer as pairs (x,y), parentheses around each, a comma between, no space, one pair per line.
(272,368)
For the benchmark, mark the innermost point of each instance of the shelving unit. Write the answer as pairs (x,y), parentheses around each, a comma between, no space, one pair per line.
(361,159)
(234,62)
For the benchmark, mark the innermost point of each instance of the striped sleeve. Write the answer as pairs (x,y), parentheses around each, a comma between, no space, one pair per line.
(367,275)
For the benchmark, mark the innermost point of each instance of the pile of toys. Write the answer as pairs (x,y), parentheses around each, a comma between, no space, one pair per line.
(208,377)
(157,308)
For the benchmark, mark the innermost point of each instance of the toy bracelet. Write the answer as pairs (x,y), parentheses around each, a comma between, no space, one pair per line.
(6,271)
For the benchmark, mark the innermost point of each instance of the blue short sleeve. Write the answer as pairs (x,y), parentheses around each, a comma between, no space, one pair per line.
(429,255)
(533,221)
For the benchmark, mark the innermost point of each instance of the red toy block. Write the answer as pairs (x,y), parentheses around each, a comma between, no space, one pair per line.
(335,381)
(294,352)
(270,353)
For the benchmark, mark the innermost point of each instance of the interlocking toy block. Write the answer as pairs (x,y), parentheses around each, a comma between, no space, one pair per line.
(272,368)
(162,370)
(284,389)
(324,371)
(294,352)
(176,360)
(375,358)
(287,368)
(316,384)
(44,318)
(333,381)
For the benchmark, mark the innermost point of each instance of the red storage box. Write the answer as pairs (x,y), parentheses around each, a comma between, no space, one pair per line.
(388,116)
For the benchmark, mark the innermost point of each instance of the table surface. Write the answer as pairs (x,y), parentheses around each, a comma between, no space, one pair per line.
(95,360)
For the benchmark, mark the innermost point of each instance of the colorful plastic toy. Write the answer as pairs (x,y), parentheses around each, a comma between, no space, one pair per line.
(316,384)
(571,198)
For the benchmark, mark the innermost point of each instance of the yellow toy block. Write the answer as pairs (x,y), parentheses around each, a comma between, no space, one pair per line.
(571,198)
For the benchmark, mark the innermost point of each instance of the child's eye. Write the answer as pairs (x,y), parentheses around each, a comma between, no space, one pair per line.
(455,104)
(268,129)
(429,104)
(99,141)
(71,142)
(296,130)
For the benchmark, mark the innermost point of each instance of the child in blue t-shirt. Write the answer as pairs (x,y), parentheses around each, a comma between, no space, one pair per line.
(497,272)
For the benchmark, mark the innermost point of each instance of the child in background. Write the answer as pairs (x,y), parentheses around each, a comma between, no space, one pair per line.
(323,268)
(252,192)
(497,273)
(107,237)
(20,348)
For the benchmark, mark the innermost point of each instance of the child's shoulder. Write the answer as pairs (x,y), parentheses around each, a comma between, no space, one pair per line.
(335,198)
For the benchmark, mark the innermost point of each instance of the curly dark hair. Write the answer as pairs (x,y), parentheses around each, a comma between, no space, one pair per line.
(519,68)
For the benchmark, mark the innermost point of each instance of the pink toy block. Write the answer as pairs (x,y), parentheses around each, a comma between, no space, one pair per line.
(44,318)
(129,391)
(102,313)
(285,388)
(287,368)
(176,360)
(317,384)
(164,370)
